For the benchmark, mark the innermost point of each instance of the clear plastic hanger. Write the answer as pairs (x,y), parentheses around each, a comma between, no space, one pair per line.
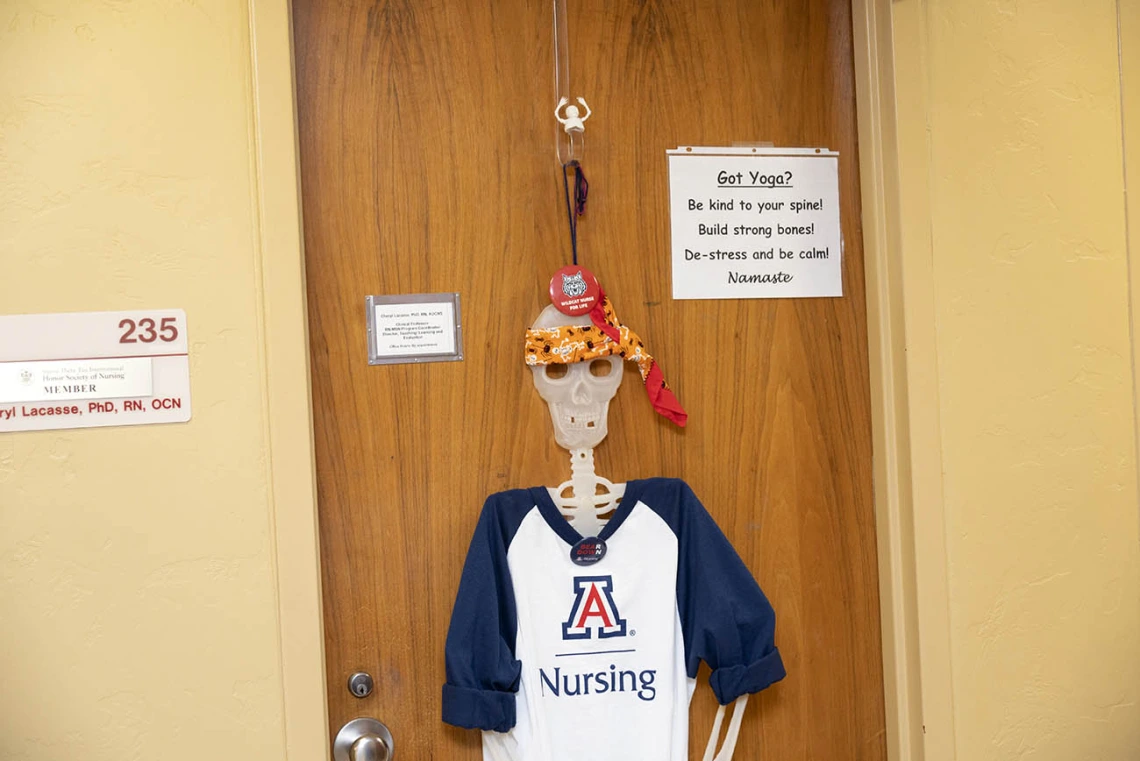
(570,133)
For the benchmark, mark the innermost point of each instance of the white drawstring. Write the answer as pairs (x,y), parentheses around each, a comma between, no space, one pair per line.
(729,746)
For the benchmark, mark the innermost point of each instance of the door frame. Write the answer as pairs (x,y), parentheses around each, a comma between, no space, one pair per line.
(891,103)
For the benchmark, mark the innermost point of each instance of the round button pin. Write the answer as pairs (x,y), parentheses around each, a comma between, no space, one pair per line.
(574,290)
(588,551)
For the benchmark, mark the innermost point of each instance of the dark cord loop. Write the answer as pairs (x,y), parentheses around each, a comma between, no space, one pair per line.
(578,208)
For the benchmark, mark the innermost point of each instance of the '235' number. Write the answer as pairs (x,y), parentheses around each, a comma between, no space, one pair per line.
(148,331)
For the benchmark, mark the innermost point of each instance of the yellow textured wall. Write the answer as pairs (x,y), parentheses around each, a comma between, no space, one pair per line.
(137,594)
(1035,377)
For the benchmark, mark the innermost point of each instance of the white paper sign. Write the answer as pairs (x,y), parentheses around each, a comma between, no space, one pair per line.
(91,369)
(753,223)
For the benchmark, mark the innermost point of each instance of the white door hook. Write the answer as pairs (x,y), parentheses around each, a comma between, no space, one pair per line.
(574,121)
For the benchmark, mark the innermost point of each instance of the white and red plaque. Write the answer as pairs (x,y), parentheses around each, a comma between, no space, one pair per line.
(91,369)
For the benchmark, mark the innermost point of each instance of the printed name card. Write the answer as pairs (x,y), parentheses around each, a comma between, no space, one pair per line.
(419,327)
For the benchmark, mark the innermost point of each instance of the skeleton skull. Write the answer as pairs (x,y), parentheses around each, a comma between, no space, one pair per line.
(578,393)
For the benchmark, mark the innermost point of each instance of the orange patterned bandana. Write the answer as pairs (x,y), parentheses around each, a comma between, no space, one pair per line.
(606,337)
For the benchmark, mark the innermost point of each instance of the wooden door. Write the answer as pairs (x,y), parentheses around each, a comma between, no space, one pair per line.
(428,165)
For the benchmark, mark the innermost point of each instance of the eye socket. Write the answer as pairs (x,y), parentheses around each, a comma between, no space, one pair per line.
(556,372)
(600,368)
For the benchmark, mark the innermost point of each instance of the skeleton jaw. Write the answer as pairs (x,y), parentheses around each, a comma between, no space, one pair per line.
(579,426)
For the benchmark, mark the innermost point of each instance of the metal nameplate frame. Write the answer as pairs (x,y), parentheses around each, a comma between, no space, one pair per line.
(407,322)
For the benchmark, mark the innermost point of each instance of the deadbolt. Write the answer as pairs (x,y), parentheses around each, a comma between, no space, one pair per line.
(360,684)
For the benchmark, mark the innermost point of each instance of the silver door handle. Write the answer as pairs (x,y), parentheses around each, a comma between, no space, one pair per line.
(363,739)
(370,748)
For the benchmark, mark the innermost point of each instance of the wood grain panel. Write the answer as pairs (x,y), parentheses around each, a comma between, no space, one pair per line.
(427,153)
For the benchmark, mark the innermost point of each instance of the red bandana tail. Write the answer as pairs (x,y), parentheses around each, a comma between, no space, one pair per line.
(663,399)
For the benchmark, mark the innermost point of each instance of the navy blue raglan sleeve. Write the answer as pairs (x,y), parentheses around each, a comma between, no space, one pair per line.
(482,671)
(727,621)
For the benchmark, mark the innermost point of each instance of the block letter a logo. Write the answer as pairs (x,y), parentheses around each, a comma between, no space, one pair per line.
(593,610)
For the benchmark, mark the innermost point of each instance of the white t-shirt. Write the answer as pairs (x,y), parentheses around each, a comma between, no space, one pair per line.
(558,661)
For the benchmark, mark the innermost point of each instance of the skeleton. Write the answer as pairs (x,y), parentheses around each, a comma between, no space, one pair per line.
(579,397)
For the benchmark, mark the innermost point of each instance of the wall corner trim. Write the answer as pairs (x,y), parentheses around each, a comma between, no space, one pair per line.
(904,391)
(287,385)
